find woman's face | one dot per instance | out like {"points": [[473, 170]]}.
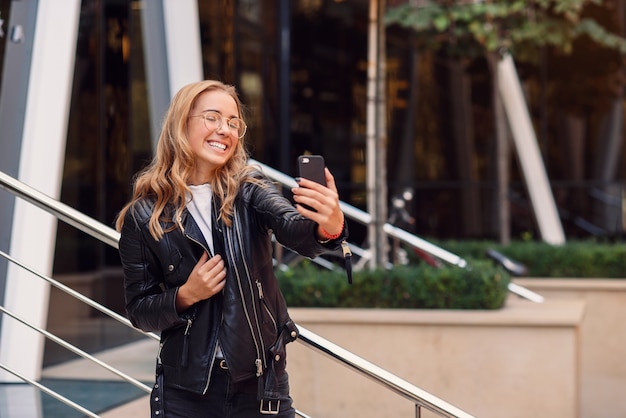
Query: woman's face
{"points": [[212, 143]]}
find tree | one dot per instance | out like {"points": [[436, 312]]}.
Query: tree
{"points": [[519, 26], [463, 31]]}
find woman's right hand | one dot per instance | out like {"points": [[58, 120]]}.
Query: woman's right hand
{"points": [[207, 278]]}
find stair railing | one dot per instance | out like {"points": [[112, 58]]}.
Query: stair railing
{"points": [[393, 231], [103, 233]]}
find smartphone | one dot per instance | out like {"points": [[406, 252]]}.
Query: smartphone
{"points": [[312, 167]]}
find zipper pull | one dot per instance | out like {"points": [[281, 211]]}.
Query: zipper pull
{"points": [[189, 322], [259, 367], [159, 353], [347, 255], [345, 248], [260, 286]]}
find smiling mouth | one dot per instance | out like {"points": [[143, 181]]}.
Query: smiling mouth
{"points": [[217, 145]]}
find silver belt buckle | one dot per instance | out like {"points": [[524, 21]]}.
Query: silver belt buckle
{"points": [[269, 410]]}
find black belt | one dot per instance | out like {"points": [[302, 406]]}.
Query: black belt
{"points": [[266, 407]]}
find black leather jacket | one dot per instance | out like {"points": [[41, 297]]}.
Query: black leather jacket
{"points": [[249, 316]]}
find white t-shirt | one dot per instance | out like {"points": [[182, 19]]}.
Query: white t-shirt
{"points": [[200, 208]]}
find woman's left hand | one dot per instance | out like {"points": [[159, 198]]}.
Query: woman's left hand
{"points": [[325, 202]]}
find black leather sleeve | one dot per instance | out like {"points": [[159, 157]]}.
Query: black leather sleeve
{"points": [[149, 304], [291, 229]]}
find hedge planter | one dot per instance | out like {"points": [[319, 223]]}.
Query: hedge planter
{"points": [[483, 286]]}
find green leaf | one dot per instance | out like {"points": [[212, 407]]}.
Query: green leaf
{"points": [[441, 23], [521, 26]]}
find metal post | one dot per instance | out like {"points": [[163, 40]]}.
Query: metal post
{"points": [[284, 119], [502, 204], [376, 136]]}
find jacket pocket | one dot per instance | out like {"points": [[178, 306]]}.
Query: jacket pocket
{"points": [[267, 313], [175, 349]]}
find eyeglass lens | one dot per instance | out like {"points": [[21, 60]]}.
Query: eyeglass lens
{"points": [[213, 120]]}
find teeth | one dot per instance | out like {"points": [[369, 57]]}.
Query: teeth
{"points": [[217, 145]]}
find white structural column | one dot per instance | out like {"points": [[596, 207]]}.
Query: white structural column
{"points": [[537, 184], [41, 166], [182, 36], [173, 54]]}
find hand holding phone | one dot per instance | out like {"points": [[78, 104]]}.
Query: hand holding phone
{"points": [[323, 195]]}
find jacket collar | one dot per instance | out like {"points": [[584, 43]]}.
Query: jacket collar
{"points": [[192, 230]]}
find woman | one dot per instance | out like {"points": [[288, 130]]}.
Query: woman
{"points": [[197, 256]]}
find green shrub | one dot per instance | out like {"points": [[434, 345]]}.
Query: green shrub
{"points": [[575, 259], [419, 286], [308, 285], [483, 286]]}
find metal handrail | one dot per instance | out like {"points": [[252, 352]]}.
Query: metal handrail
{"points": [[60, 210], [387, 379], [77, 350], [398, 233], [50, 392], [365, 218], [110, 313], [111, 237]]}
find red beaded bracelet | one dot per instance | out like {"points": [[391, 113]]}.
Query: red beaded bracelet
{"points": [[330, 237]]}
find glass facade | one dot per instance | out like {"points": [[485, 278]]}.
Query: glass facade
{"points": [[300, 66], [4, 18], [322, 68]]}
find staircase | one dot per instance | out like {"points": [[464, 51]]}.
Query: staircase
{"points": [[137, 381]]}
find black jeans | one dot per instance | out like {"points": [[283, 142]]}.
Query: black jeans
{"points": [[224, 399]]}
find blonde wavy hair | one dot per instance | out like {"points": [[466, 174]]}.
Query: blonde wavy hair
{"points": [[166, 177]]}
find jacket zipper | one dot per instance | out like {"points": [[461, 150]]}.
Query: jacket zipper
{"points": [[185, 358], [189, 323], [208, 380], [200, 244], [266, 308], [257, 337]]}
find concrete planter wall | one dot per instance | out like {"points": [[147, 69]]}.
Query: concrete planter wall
{"points": [[560, 359], [603, 340], [521, 361]]}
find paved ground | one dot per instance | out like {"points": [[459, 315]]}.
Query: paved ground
{"points": [[136, 409], [135, 360]]}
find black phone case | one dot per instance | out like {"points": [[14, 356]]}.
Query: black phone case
{"points": [[312, 167]]}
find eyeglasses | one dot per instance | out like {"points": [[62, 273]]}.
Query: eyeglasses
{"points": [[213, 121]]}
